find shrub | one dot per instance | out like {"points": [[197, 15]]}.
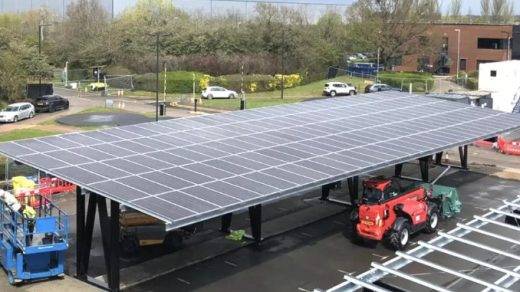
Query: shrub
{"points": [[403, 79], [289, 81], [176, 82], [251, 83]]}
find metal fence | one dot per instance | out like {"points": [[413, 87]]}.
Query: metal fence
{"points": [[209, 8], [58, 7]]}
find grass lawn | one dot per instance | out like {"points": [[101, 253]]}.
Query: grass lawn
{"points": [[25, 134], [291, 95], [258, 99]]}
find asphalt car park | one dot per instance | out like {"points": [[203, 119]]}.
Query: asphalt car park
{"points": [[292, 257], [318, 254]]}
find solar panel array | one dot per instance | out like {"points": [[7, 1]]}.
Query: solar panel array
{"points": [[190, 169]]}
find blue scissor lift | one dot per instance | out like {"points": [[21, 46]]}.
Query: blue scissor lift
{"points": [[35, 255]]}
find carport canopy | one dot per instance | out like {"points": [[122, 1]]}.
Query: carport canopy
{"points": [[187, 170]]}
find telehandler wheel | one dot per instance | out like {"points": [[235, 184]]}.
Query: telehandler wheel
{"points": [[399, 236], [433, 220], [354, 220]]}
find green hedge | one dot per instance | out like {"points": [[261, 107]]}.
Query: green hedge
{"points": [[403, 79], [176, 82], [182, 82], [251, 83]]}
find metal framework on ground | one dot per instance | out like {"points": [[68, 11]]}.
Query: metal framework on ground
{"points": [[442, 245]]}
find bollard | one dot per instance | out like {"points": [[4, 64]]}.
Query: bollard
{"points": [[242, 104], [195, 102]]}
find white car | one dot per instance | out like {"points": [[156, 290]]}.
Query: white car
{"points": [[218, 92], [17, 111], [339, 88]]}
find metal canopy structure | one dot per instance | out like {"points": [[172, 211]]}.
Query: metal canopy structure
{"points": [[188, 170], [445, 244]]}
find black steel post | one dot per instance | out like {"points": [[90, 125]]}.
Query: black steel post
{"points": [[80, 230], [424, 166], [353, 188], [325, 192], [255, 217], [463, 153], [104, 223], [89, 229], [195, 102], [283, 62], [242, 104], [157, 78], [398, 170], [40, 26], [226, 222], [438, 158], [113, 279]]}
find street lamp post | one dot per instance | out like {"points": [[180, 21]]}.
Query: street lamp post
{"points": [[508, 57], [458, 52], [40, 36], [157, 78]]}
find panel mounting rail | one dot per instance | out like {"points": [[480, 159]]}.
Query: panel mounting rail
{"points": [[441, 246]]}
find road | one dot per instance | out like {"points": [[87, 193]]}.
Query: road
{"points": [[87, 101]]}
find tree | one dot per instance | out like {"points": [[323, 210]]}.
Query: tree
{"points": [[455, 10], [396, 28], [485, 10], [501, 11], [19, 58], [83, 38]]}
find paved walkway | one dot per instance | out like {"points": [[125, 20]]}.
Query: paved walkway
{"points": [[66, 284], [444, 84]]}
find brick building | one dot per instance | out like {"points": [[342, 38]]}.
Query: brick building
{"points": [[479, 43]]}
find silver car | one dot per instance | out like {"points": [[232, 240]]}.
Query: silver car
{"points": [[17, 111]]}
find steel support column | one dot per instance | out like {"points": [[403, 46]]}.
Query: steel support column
{"points": [[353, 188], [325, 192], [424, 164], [80, 231], [255, 217], [438, 158], [398, 170], [226, 222], [113, 275], [88, 231], [463, 153]]}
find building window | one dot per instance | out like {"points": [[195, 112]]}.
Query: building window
{"points": [[492, 44], [463, 64], [445, 46], [493, 73]]}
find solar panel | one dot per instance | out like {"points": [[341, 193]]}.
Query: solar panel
{"points": [[191, 169]]}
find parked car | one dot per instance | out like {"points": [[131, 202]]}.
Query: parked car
{"points": [[339, 88], [218, 92], [51, 103], [17, 111], [378, 87]]}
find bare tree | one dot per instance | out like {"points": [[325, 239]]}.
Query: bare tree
{"points": [[395, 28], [455, 10], [501, 11], [485, 10]]}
